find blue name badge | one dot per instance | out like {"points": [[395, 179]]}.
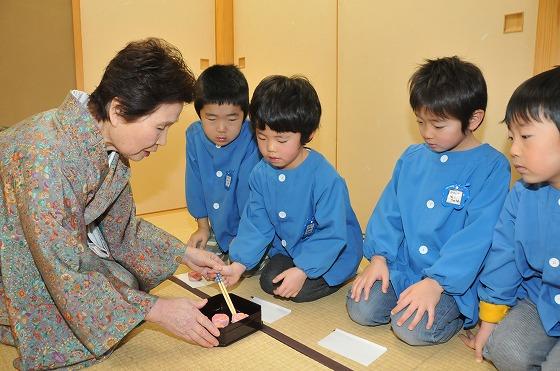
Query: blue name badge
{"points": [[227, 180], [309, 228], [456, 196]]}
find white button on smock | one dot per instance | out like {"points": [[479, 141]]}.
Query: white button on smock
{"points": [[219, 174], [218, 146], [559, 202], [554, 262], [423, 249], [430, 204], [281, 177], [557, 299], [216, 205], [444, 158], [282, 214], [284, 243]]}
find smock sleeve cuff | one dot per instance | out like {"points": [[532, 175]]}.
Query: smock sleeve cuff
{"points": [[492, 313]]}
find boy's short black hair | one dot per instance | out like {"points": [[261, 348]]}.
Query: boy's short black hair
{"points": [[142, 76], [222, 84], [449, 88], [286, 104], [535, 99]]}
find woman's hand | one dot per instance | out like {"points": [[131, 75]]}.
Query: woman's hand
{"points": [[202, 261], [182, 318], [375, 271], [232, 273], [478, 341], [200, 237], [292, 282], [421, 297]]}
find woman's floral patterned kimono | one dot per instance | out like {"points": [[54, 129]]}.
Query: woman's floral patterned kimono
{"points": [[62, 305]]}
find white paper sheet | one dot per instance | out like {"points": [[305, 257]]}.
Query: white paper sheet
{"points": [[194, 284], [351, 346], [270, 312]]}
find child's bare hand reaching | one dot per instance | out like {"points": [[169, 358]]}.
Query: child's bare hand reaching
{"points": [[478, 341], [292, 282], [232, 273], [377, 270], [421, 297]]}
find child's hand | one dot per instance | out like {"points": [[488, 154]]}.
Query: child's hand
{"points": [[199, 238], [376, 270], [292, 282], [478, 341], [231, 273], [421, 297]]}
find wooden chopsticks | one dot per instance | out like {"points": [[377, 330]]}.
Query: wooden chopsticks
{"points": [[223, 289]]}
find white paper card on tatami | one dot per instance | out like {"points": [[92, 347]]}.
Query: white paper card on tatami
{"points": [[194, 284], [351, 346], [270, 312]]}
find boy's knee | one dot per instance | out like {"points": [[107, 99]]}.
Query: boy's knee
{"points": [[422, 336], [365, 313], [412, 337], [265, 280], [506, 355]]}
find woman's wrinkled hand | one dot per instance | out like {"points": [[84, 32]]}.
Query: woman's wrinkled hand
{"points": [[182, 317], [202, 261]]}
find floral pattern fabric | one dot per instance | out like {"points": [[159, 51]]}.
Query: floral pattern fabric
{"points": [[60, 304]]}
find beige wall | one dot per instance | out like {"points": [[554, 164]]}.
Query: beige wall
{"points": [[37, 57], [292, 37], [381, 44], [107, 25]]}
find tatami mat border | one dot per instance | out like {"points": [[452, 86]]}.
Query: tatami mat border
{"points": [[281, 337]]}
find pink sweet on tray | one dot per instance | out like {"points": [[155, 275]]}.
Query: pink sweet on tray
{"points": [[238, 317], [220, 320]]}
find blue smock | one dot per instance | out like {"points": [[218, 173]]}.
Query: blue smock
{"points": [[304, 213], [436, 217], [524, 260], [217, 179]]}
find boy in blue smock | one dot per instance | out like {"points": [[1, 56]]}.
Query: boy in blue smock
{"points": [[298, 205], [432, 227], [221, 152], [520, 282]]}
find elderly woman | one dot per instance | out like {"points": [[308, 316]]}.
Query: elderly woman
{"points": [[76, 264]]}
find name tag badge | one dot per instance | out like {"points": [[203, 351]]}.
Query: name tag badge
{"points": [[227, 180], [309, 228], [455, 195]]}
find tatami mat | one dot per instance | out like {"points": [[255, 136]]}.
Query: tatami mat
{"points": [[150, 348]]}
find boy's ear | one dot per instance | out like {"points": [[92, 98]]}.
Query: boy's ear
{"points": [[311, 137], [476, 119]]}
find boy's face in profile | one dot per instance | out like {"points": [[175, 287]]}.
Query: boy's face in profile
{"points": [[221, 122], [443, 134], [283, 150], [535, 151]]}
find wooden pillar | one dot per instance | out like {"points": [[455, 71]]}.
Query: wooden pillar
{"points": [[78, 51], [547, 45], [224, 31]]}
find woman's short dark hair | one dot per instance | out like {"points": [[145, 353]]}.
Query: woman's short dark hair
{"points": [[286, 104], [222, 84], [535, 99], [449, 88], [142, 76]]}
